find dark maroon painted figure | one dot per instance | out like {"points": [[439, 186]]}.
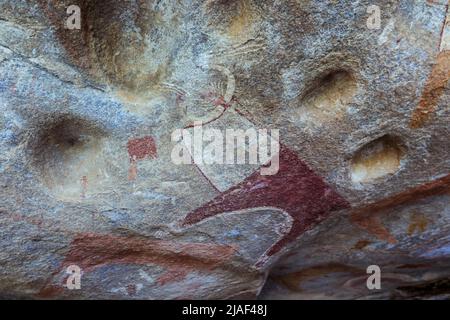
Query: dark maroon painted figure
{"points": [[295, 189], [141, 148]]}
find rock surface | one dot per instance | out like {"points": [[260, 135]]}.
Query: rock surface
{"points": [[87, 177]]}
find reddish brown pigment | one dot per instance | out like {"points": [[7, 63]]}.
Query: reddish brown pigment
{"points": [[132, 170], [76, 44], [367, 217], [294, 280], [434, 88], [141, 148], [295, 189], [216, 101], [373, 225], [50, 291], [440, 186], [91, 251]]}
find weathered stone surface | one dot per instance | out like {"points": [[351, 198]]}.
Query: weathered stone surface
{"points": [[87, 177]]}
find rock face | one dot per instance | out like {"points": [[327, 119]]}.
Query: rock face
{"points": [[89, 189]]}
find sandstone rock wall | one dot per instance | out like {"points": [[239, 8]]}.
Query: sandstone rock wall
{"points": [[87, 176]]}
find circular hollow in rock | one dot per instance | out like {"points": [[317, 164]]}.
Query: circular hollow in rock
{"points": [[376, 159], [69, 156], [126, 44], [329, 96]]}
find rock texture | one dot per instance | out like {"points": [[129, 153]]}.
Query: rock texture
{"points": [[87, 179]]}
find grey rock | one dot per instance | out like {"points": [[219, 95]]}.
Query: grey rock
{"points": [[87, 178]]}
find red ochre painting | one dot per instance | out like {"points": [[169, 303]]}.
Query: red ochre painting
{"points": [[295, 189]]}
